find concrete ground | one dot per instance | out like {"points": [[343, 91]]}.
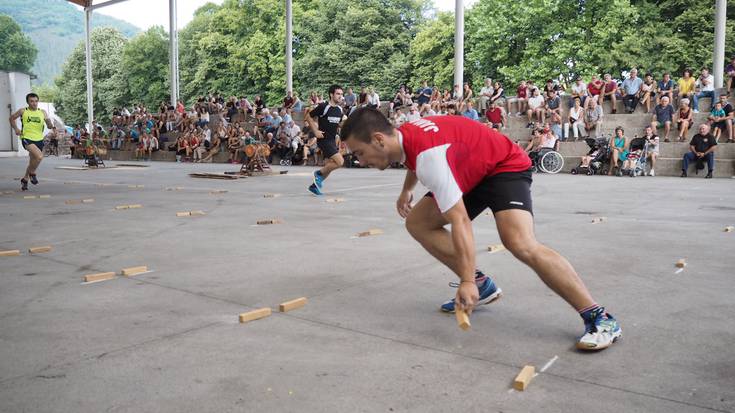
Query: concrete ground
{"points": [[371, 338]]}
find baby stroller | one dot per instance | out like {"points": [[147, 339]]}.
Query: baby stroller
{"points": [[599, 152], [637, 157]]}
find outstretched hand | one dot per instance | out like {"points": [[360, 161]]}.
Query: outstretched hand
{"points": [[403, 204], [467, 296]]}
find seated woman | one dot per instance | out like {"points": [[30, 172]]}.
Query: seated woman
{"points": [[234, 143], [618, 148], [213, 148], [648, 91], [182, 147], [684, 119], [541, 139]]}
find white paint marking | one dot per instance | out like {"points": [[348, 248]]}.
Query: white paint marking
{"points": [[679, 270]]}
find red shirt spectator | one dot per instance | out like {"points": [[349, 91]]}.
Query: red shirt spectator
{"points": [[494, 116]]}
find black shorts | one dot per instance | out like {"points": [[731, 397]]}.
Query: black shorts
{"points": [[328, 146], [509, 190], [26, 142]]}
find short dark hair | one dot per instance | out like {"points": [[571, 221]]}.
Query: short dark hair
{"points": [[334, 88], [31, 95], [363, 123]]}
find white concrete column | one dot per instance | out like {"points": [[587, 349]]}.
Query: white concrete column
{"points": [[718, 60], [289, 45], [459, 45], [173, 60], [88, 56]]}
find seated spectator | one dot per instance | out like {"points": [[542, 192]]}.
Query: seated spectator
{"points": [[373, 98], [553, 104], [142, 146], [498, 95], [576, 120], [426, 110], [595, 88], [401, 99], [665, 87], [423, 95], [701, 149], [619, 149], [485, 94], [579, 90], [610, 92], [653, 141], [182, 148], [520, 99], [350, 100], [550, 87], [632, 90], [729, 116], [718, 120], [310, 146], [593, 119], [467, 96], [555, 124], [469, 112], [536, 106], [451, 109], [201, 148], [542, 139], [648, 91], [214, 148], [730, 74], [663, 117], [686, 85], [495, 116], [436, 99], [259, 104], [706, 88], [245, 106], [398, 118], [413, 114], [298, 105], [684, 120], [288, 101]]}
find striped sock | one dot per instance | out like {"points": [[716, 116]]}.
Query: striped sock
{"points": [[589, 313]]}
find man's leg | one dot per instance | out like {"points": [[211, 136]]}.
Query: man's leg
{"points": [[695, 101], [688, 157], [335, 162], [710, 157], [667, 129], [426, 224], [34, 159]]}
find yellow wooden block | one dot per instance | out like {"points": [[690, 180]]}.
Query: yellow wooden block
{"points": [[729, 228], [134, 270], [44, 196], [269, 221], [255, 314], [9, 253], [99, 276], [370, 232], [463, 319], [218, 191], [119, 207], [135, 206], [335, 200], [496, 248], [72, 202], [196, 213], [681, 263], [87, 201], [136, 186], [524, 378], [29, 197], [39, 250], [183, 214], [292, 305]]}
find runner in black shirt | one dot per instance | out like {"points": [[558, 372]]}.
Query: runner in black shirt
{"points": [[324, 120]]}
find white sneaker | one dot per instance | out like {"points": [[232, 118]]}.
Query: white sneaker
{"points": [[518, 113], [696, 110], [651, 173]]}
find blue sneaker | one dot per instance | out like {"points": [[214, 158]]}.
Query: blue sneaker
{"points": [[488, 293], [318, 180], [601, 332], [314, 190]]}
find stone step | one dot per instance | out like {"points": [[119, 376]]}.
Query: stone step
{"points": [[724, 168]]}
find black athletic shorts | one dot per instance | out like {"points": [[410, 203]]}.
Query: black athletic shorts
{"points": [[509, 190], [328, 146], [26, 142]]}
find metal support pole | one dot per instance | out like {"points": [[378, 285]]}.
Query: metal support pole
{"points": [[289, 45], [719, 46], [459, 45], [88, 55], [173, 51]]}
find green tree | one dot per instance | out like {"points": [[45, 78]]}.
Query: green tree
{"points": [[432, 52], [110, 83], [46, 92], [17, 52], [145, 62]]}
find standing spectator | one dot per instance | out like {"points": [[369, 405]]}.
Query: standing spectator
{"points": [[259, 104], [686, 85], [349, 100], [730, 73], [288, 101], [665, 88], [701, 149], [579, 90], [424, 94], [632, 89], [648, 92], [520, 99], [706, 85], [469, 112], [485, 94], [593, 119], [576, 119], [595, 88], [536, 107], [685, 120], [610, 92], [653, 141], [718, 120], [663, 117], [495, 116]]}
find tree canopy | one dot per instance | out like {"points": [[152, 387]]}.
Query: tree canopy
{"points": [[17, 52]]}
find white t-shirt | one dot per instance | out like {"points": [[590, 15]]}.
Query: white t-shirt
{"points": [[412, 116], [374, 99], [535, 102], [487, 90], [709, 87], [579, 89]]}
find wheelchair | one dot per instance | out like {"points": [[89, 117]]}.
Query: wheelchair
{"points": [[547, 160]]}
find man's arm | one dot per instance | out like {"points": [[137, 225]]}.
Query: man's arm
{"points": [[313, 125], [12, 119], [403, 205]]}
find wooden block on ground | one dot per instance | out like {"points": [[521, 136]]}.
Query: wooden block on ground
{"points": [[255, 314], [597, 220], [39, 250], [122, 207], [99, 276], [729, 228], [335, 200], [136, 186], [87, 201], [269, 221], [219, 191], [496, 248], [174, 188], [134, 270], [292, 305], [271, 195], [9, 253], [183, 214], [44, 196], [135, 206], [29, 197], [524, 378], [196, 213], [367, 233], [72, 202], [681, 263], [463, 320]]}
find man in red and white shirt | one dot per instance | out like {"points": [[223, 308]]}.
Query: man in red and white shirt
{"points": [[468, 168]]}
